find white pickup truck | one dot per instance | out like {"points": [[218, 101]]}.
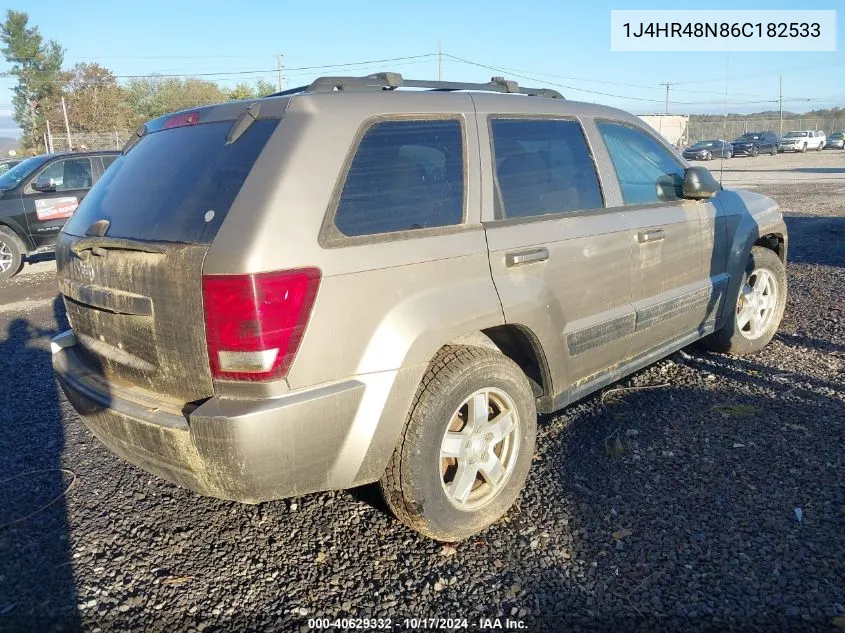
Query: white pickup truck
{"points": [[801, 141]]}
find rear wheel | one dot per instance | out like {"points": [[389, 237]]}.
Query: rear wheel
{"points": [[467, 446], [11, 254], [774, 151], [757, 309], [820, 147]]}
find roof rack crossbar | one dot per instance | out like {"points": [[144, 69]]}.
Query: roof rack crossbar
{"points": [[392, 81]]}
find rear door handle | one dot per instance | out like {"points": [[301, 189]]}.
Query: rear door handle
{"points": [[519, 258], [652, 235]]}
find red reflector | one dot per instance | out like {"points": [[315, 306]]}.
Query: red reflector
{"points": [[254, 323], [181, 120]]}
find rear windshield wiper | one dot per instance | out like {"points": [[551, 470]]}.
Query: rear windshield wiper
{"points": [[243, 122]]}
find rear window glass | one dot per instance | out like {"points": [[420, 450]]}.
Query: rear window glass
{"points": [[175, 185], [405, 175]]}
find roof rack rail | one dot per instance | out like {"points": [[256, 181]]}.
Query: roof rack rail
{"points": [[392, 81]]}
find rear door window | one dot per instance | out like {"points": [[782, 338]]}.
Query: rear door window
{"points": [[175, 185], [647, 171], [543, 166], [405, 175]]}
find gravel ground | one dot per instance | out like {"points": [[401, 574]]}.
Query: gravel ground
{"points": [[713, 500]]}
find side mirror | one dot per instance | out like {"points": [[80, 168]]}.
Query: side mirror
{"points": [[699, 183], [44, 185]]}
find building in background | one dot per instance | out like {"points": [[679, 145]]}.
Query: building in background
{"points": [[673, 127]]}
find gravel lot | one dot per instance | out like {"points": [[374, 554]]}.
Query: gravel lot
{"points": [[721, 507]]}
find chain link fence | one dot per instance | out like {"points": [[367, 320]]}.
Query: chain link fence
{"points": [[732, 128], [84, 141]]}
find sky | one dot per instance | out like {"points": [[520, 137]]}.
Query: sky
{"points": [[556, 43]]}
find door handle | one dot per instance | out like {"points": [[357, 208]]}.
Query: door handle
{"points": [[652, 235], [520, 258]]}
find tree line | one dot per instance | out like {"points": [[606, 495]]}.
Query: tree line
{"points": [[94, 99]]}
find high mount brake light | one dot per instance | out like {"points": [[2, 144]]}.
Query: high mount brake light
{"points": [[254, 323], [181, 120]]}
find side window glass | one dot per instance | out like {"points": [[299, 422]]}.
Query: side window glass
{"points": [[65, 175], [646, 170], [405, 175], [543, 166], [108, 159]]}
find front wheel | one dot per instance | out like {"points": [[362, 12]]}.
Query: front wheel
{"points": [[755, 152], [757, 309], [708, 156], [467, 446], [803, 148], [11, 254]]}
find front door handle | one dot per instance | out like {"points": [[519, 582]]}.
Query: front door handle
{"points": [[652, 235], [519, 258]]}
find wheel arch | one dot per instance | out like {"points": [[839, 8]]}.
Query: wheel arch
{"points": [[19, 233]]}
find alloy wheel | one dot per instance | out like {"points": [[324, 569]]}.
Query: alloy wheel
{"points": [[757, 304], [479, 449]]}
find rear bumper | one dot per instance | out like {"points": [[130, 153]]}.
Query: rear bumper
{"points": [[244, 450]]}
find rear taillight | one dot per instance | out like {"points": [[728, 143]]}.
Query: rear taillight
{"points": [[254, 323]]}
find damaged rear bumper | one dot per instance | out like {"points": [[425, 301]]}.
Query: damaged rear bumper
{"points": [[244, 450]]}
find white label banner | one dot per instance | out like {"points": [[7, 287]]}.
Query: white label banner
{"points": [[722, 31]]}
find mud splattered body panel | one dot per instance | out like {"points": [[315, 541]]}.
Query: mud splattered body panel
{"points": [[137, 312]]}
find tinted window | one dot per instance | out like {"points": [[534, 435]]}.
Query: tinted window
{"points": [[108, 159], [164, 187], [67, 175], [543, 166], [646, 170], [405, 175]]}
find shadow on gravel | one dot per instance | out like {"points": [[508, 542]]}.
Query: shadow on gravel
{"points": [[816, 240], [720, 510], [41, 257], [36, 575]]}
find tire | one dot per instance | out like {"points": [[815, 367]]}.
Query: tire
{"points": [[11, 254], [728, 156], [755, 152], [708, 156], [820, 147], [737, 338], [803, 148], [415, 483], [774, 151]]}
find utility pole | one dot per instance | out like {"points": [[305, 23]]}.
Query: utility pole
{"points": [[780, 101], [439, 61], [279, 68], [49, 136], [667, 84], [67, 125]]}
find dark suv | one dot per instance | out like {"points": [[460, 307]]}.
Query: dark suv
{"points": [[755, 143], [37, 196]]}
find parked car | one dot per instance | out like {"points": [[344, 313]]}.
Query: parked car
{"points": [[37, 196], [7, 164], [835, 141], [254, 328], [755, 143], [801, 141], [707, 150]]}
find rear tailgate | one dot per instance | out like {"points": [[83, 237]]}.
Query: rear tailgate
{"points": [[130, 260]]}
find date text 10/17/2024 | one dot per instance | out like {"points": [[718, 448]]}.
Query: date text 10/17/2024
{"points": [[418, 624]]}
